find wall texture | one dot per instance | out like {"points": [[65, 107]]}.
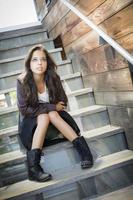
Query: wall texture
{"points": [[102, 68]]}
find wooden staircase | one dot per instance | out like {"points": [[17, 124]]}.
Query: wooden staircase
{"points": [[113, 164]]}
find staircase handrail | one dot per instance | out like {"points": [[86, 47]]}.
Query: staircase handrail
{"points": [[100, 32]]}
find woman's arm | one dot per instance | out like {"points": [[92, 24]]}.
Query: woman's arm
{"points": [[28, 110]]}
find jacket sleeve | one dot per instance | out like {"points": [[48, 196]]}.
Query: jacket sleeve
{"points": [[28, 110]]}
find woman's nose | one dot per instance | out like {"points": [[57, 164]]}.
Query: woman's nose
{"points": [[39, 61]]}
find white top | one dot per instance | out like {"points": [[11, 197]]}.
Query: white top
{"points": [[43, 97]]}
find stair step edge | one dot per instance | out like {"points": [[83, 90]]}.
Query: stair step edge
{"points": [[22, 57], [7, 90], [26, 45], [9, 131], [89, 135], [80, 91], [73, 93], [68, 76], [18, 33], [100, 130], [103, 164], [88, 110], [78, 112]]}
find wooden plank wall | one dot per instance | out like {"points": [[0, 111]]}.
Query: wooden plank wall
{"points": [[102, 68]]}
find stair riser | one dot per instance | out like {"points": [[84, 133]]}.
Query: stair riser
{"points": [[65, 159], [92, 121], [7, 120], [111, 180], [15, 173], [23, 50], [62, 70], [64, 193], [11, 66], [22, 41], [8, 144], [73, 84], [10, 81], [56, 56], [81, 101], [19, 65]]}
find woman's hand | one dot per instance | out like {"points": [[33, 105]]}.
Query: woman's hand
{"points": [[60, 106]]}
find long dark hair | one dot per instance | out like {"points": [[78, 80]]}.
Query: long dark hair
{"points": [[51, 78]]}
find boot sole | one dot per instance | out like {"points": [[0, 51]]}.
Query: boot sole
{"points": [[43, 180], [87, 166]]}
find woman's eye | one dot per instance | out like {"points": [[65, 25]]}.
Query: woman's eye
{"points": [[44, 59], [34, 60], [37, 59]]}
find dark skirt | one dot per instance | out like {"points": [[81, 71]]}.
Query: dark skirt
{"points": [[27, 126]]}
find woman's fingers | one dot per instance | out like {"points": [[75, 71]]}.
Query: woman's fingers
{"points": [[60, 106], [61, 102]]}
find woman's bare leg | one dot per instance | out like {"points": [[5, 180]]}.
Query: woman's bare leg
{"points": [[62, 126], [40, 132]]}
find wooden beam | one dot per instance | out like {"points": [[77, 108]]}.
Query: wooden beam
{"points": [[56, 14], [127, 42], [120, 24], [101, 59], [103, 12], [84, 44], [117, 80], [70, 20], [114, 98]]}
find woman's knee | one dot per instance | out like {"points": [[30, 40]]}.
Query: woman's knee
{"points": [[53, 115], [43, 119]]}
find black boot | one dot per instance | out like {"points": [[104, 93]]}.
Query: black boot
{"points": [[35, 172], [82, 147]]}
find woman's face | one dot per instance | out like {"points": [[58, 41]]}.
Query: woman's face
{"points": [[38, 63]]}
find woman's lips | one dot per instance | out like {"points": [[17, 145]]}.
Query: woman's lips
{"points": [[39, 68]]}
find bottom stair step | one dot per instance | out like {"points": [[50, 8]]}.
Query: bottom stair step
{"points": [[122, 194], [103, 164]]}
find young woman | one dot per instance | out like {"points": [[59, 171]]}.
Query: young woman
{"points": [[41, 101]]}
